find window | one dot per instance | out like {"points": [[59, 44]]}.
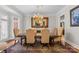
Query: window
{"points": [[4, 28]]}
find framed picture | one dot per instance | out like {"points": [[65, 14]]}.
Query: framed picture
{"points": [[39, 22], [62, 17], [74, 16]]}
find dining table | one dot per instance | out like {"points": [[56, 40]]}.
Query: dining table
{"points": [[23, 37], [38, 37]]}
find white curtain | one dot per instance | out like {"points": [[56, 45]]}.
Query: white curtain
{"points": [[15, 23], [4, 29]]}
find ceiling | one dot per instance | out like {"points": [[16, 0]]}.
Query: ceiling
{"points": [[41, 9]]}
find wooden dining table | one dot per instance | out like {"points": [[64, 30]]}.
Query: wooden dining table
{"points": [[22, 36], [38, 37]]}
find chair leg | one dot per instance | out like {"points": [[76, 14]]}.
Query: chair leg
{"points": [[21, 41], [53, 42], [29, 44], [45, 44], [32, 45], [60, 41]]}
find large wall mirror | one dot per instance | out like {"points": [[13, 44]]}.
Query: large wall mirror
{"points": [[39, 22]]}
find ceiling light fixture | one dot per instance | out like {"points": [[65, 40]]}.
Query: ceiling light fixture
{"points": [[37, 11]]}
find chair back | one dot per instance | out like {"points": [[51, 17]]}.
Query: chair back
{"points": [[60, 31], [16, 32], [45, 36], [30, 35], [53, 32]]}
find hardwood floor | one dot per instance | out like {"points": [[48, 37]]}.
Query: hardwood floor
{"points": [[57, 48]]}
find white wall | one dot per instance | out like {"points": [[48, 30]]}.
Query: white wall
{"points": [[71, 33], [51, 21], [5, 11]]}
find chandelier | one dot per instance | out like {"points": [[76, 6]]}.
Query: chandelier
{"points": [[37, 10]]}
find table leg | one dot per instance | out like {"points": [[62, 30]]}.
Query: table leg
{"points": [[21, 40], [53, 42], [25, 41]]}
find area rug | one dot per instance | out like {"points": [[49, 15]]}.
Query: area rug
{"points": [[57, 48]]}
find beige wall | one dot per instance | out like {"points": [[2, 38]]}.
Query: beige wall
{"points": [[71, 33]]}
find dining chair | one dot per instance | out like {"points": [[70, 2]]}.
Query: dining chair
{"points": [[53, 34], [30, 36], [16, 32], [45, 37], [59, 34]]}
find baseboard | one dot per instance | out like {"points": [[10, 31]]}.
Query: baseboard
{"points": [[72, 44]]}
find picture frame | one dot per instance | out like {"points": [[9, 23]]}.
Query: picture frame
{"points": [[74, 16], [39, 22], [62, 17]]}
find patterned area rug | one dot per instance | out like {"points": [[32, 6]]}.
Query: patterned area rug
{"points": [[57, 48]]}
